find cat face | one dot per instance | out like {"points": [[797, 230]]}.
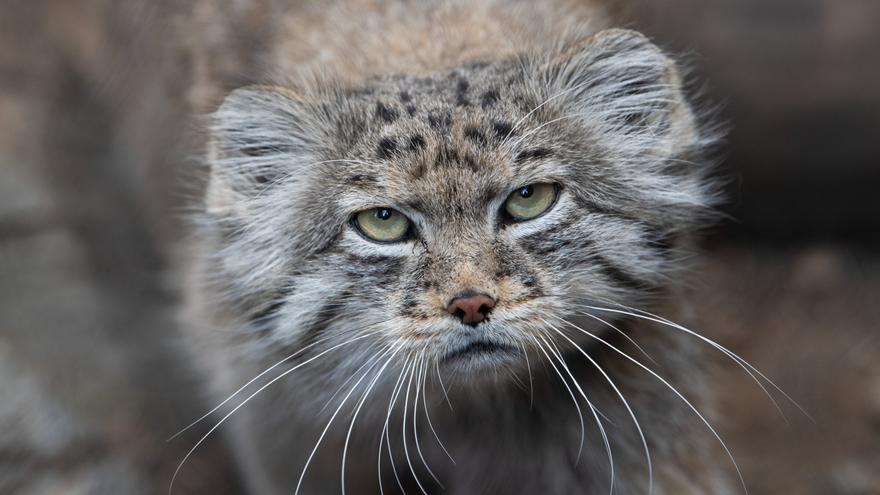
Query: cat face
{"points": [[459, 216]]}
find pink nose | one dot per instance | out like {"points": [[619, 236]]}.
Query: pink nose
{"points": [[471, 308]]}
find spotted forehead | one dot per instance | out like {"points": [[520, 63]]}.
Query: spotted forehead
{"points": [[452, 131]]}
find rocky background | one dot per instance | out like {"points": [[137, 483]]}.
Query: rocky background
{"points": [[92, 94]]}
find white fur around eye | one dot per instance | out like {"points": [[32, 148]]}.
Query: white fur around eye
{"points": [[356, 244], [556, 214]]}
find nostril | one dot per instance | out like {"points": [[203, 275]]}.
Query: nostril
{"points": [[459, 313], [471, 308]]}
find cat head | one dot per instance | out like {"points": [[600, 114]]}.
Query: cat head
{"points": [[459, 216]]}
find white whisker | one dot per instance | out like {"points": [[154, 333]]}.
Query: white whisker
{"points": [[626, 336], [531, 382], [329, 423], [675, 391], [593, 409], [384, 436], [248, 399], [419, 384], [741, 362], [240, 389], [431, 425], [403, 428], [442, 387], [571, 393], [357, 411]]}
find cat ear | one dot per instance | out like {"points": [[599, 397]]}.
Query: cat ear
{"points": [[619, 80], [257, 135]]}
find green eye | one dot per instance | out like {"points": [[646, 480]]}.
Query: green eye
{"points": [[382, 224], [530, 201]]}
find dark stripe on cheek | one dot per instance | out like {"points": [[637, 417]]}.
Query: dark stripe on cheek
{"points": [[593, 207], [265, 315], [656, 238], [555, 238], [618, 276], [659, 240], [548, 245], [258, 151], [324, 317], [373, 266]]}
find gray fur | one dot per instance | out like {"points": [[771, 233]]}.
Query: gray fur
{"points": [[279, 272]]}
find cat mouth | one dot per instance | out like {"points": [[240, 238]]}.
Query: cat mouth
{"points": [[478, 348]]}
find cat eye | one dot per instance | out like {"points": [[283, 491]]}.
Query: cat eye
{"points": [[530, 201], [382, 224]]}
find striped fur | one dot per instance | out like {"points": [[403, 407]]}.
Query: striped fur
{"points": [[279, 269]]}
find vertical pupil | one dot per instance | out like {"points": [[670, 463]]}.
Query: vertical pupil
{"points": [[526, 192], [383, 213]]}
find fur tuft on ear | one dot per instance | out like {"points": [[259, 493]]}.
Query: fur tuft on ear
{"points": [[259, 134], [622, 81], [628, 96]]}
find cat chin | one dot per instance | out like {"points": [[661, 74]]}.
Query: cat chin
{"points": [[475, 358]]}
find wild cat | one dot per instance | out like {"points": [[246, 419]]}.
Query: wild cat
{"points": [[440, 250]]}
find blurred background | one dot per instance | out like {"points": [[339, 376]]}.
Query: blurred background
{"points": [[93, 101]]}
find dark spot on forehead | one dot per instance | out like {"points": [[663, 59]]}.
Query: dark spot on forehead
{"points": [[489, 98], [387, 147], [470, 162], [418, 170], [439, 120], [447, 155], [461, 90], [385, 113], [405, 96], [411, 109], [475, 135], [416, 142], [502, 129], [532, 154]]}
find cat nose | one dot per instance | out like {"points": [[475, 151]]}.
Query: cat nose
{"points": [[470, 307]]}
